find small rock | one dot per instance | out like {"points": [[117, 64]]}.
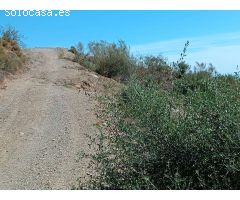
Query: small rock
{"points": [[21, 133], [3, 87], [78, 86], [94, 75]]}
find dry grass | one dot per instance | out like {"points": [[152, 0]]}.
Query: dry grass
{"points": [[11, 56]]}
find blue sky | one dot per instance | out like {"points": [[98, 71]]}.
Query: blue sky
{"points": [[214, 35]]}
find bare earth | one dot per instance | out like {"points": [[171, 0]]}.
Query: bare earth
{"points": [[43, 125]]}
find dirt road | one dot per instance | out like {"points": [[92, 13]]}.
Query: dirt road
{"points": [[42, 125]]}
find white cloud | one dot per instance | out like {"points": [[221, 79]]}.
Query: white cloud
{"points": [[222, 50]]}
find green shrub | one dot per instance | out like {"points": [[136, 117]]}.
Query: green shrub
{"points": [[11, 56], [168, 140], [170, 128], [154, 69], [111, 59], [196, 80], [11, 35]]}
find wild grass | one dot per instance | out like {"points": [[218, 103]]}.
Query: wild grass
{"points": [[11, 56], [112, 60]]}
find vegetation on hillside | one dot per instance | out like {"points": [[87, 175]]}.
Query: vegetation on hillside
{"points": [[171, 127], [112, 60], [11, 56]]}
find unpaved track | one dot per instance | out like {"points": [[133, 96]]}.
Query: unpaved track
{"points": [[42, 126]]}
